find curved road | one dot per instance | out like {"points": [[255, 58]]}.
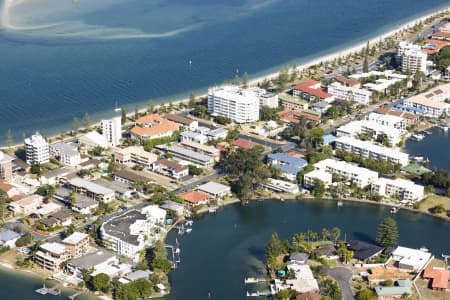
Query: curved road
{"points": [[343, 277]]}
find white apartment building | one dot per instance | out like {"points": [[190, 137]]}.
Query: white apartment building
{"points": [[266, 98], [387, 120], [411, 57], [67, 154], [362, 177], [112, 130], [310, 179], [401, 188], [135, 155], [37, 150], [372, 129], [241, 106], [5, 166], [369, 150], [92, 139], [129, 233], [431, 103], [349, 93]]}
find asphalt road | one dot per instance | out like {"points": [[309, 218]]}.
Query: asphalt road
{"points": [[343, 277]]}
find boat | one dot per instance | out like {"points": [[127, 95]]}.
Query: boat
{"points": [[188, 230], [418, 136], [340, 203], [424, 249], [418, 158], [189, 223], [394, 210]]}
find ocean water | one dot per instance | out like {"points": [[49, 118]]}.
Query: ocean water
{"points": [[62, 58]]}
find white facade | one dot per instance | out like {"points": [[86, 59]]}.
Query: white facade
{"points": [[431, 103], [309, 179], [112, 130], [281, 186], [349, 94], [266, 98], [387, 120], [369, 150], [135, 155], [37, 150], [372, 129], [357, 175], [241, 106], [66, 154], [92, 139], [401, 188], [411, 58]]}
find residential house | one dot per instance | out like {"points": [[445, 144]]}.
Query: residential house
{"points": [[399, 290], [83, 204], [10, 190], [298, 258], [187, 123], [8, 238], [195, 198], [26, 206], [411, 259], [216, 190], [170, 168], [281, 186], [191, 136], [363, 251], [439, 277], [288, 165], [216, 134], [202, 149], [130, 177], [135, 155]]}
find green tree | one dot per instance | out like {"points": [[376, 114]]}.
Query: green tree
{"points": [[192, 101], [46, 191], [157, 257], [36, 169], [274, 247], [245, 80], [75, 125], [136, 113], [100, 282], [438, 209], [233, 134], [319, 189], [283, 295], [387, 234], [366, 294], [86, 121], [150, 107], [236, 79], [124, 115]]}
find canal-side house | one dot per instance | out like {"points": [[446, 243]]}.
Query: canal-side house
{"points": [[8, 238], [95, 261], [214, 189]]}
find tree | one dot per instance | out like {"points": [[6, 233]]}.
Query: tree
{"points": [[274, 247], [136, 113], [366, 64], [192, 101], [75, 125], [438, 209], [46, 191], [335, 233], [150, 106], [245, 80], [124, 115], [283, 295], [319, 189], [194, 170], [366, 294], [86, 121], [72, 199], [236, 79], [100, 282], [36, 169], [157, 257], [387, 234]]}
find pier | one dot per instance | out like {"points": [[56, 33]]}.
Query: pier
{"points": [[50, 291], [72, 297], [175, 254], [250, 280], [258, 294]]}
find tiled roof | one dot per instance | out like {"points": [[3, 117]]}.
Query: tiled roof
{"points": [[440, 277], [306, 88], [178, 119], [154, 125], [171, 164], [194, 197], [242, 143]]}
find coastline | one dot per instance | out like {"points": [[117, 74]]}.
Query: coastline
{"points": [[344, 51]]}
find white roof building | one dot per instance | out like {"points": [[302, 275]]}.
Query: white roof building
{"points": [[387, 120], [349, 93], [369, 150], [309, 179], [372, 129], [281, 186], [36, 150], [411, 259], [304, 279], [214, 189], [67, 154], [92, 139], [240, 105], [48, 208], [431, 103], [357, 175], [91, 189], [404, 189], [265, 98]]}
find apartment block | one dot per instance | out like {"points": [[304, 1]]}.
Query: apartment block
{"points": [[135, 155], [112, 130], [5, 166], [401, 188], [36, 150]]}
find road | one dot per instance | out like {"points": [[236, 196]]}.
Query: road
{"points": [[343, 277]]}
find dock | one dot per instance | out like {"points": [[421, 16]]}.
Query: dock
{"points": [[258, 294], [72, 297], [250, 280], [50, 291]]}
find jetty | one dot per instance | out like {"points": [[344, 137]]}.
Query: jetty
{"points": [[258, 293], [72, 297], [250, 280], [55, 291]]}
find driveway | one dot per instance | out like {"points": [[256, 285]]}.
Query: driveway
{"points": [[343, 277]]}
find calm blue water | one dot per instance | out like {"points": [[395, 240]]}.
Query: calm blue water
{"points": [[61, 58]]}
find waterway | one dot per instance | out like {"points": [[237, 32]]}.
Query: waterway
{"points": [[435, 146], [62, 58], [224, 248]]}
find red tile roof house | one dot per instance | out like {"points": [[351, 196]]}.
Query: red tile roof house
{"points": [[438, 276], [153, 126], [312, 90], [243, 143], [290, 116], [195, 198]]}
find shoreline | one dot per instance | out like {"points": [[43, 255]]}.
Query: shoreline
{"points": [[344, 51]]}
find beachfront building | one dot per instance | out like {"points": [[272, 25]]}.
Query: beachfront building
{"points": [[92, 139], [411, 57], [134, 155], [91, 189], [193, 157], [293, 103], [240, 105], [361, 177], [383, 80], [371, 130], [26, 206], [152, 127], [265, 98], [36, 150], [170, 168], [112, 130], [350, 94], [387, 120], [50, 256], [129, 233], [403, 189], [287, 164], [368, 150], [311, 90], [431, 103], [67, 154], [5, 166], [187, 123], [195, 198], [311, 178], [281, 186]]}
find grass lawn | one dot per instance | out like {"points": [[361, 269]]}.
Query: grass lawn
{"points": [[432, 201]]}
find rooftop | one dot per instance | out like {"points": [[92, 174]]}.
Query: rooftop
{"points": [[403, 287], [154, 124], [178, 119], [213, 188], [171, 164], [439, 276], [242, 143], [363, 250], [8, 235], [235, 93], [287, 163], [309, 88], [194, 197], [131, 176], [412, 257], [90, 186], [183, 152], [55, 248], [65, 148], [92, 259], [75, 238], [119, 226]]}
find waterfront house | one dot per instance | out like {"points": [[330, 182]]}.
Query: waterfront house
{"points": [[311, 178], [298, 258], [152, 127], [195, 198], [214, 189], [363, 251], [136, 275], [281, 186], [95, 261], [8, 238], [288, 165], [174, 207], [439, 278], [411, 259], [51, 255], [400, 288]]}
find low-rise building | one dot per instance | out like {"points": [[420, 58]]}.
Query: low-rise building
{"points": [[92, 261], [351, 94], [67, 154], [187, 123], [83, 204], [135, 155], [348, 82], [26, 206], [311, 90], [203, 149], [288, 165], [5, 166], [281, 186], [410, 119], [8, 238], [50, 256], [400, 289], [191, 136], [404, 189], [91, 140], [170, 168], [91, 189], [411, 259], [214, 189], [371, 130], [129, 177], [265, 98], [293, 103], [310, 179], [439, 277], [10, 190], [361, 177], [216, 134], [153, 126], [123, 190], [195, 198], [387, 120], [77, 244], [303, 282], [363, 251], [368, 150], [193, 157], [47, 209]]}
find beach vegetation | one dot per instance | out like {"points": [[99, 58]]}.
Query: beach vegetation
{"points": [[200, 111], [75, 125], [438, 209], [387, 234], [86, 121], [123, 115]]}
